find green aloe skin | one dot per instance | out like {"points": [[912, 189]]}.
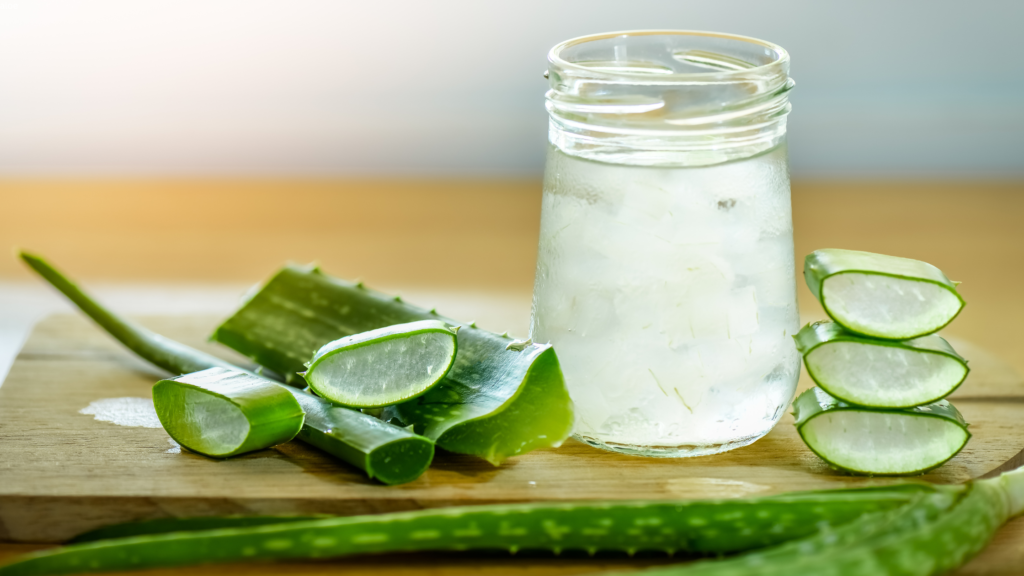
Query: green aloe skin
{"points": [[221, 412], [880, 373], [862, 440], [692, 527], [356, 438], [497, 400], [881, 296]]}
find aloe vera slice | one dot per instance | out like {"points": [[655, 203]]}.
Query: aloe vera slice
{"points": [[863, 440], [881, 296], [351, 436], [880, 373], [498, 400], [220, 412], [384, 366], [702, 527]]}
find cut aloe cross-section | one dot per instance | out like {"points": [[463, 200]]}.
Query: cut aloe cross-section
{"points": [[220, 412], [880, 373], [863, 440], [881, 296], [384, 366]]}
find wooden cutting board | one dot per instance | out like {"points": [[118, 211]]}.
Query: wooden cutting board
{"points": [[63, 472]]}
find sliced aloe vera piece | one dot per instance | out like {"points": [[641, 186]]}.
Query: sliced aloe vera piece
{"points": [[220, 412], [500, 398], [863, 440], [880, 373], [384, 366], [326, 426], [881, 296]]}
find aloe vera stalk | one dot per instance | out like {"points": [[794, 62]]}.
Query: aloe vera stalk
{"points": [[881, 296], [880, 373], [496, 401], [864, 440], [701, 527], [383, 366], [356, 438], [162, 352], [220, 412], [387, 453]]}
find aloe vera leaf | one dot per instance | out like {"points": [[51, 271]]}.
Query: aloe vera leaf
{"points": [[494, 403], [220, 412], [702, 527], [880, 373], [862, 440], [881, 296], [165, 525], [356, 438], [384, 366]]}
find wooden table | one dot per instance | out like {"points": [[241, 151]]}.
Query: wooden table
{"points": [[480, 236]]}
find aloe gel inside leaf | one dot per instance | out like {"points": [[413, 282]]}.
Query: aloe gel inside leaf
{"points": [[887, 306], [202, 422], [884, 376], [383, 370], [878, 442]]}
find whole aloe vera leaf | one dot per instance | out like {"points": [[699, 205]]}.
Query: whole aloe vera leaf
{"points": [[880, 373], [384, 366], [863, 440], [220, 412], [497, 401], [701, 527], [356, 438], [881, 296]]}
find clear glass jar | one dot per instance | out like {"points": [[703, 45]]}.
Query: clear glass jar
{"points": [[665, 274]]}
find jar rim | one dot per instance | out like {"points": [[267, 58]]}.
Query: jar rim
{"points": [[781, 56]]}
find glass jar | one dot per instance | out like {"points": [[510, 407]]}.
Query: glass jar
{"points": [[665, 274]]}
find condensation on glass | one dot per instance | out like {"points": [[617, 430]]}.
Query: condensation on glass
{"points": [[665, 274]]}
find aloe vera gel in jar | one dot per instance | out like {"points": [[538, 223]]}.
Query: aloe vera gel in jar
{"points": [[665, 274]]}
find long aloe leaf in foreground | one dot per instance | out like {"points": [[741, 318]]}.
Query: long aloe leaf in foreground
{"points": [[500, 398], [698, 527], [356, 438]]}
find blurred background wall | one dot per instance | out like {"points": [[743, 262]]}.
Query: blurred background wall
{"points": [[454, 88]]}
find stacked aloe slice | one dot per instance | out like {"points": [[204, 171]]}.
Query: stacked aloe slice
{"points": [[881, 371]]}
